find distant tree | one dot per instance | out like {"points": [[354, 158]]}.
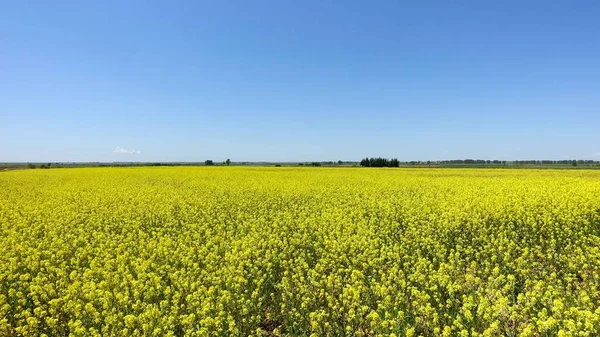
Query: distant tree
{"points": [[574, 163], [209, 163], [339, 162], [300, 164], [30, 165], [277, 165], [228, 161], [380, 162]]}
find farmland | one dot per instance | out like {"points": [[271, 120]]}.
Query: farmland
{"points": [[213, 251]]}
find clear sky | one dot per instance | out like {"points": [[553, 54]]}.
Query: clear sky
{"points": [[299, 80]]}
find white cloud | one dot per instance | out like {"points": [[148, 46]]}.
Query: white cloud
{"points": [[121, 150], [597, 154]]}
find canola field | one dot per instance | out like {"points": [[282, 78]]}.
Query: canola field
{"points": [[230, 251]]}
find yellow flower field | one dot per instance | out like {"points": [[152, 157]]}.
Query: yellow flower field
{"points": [[231, 251]]}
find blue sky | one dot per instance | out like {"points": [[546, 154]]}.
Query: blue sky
{"points": [[299, 80]]}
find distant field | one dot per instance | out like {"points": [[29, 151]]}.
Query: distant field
{"points": [[214, 251]]}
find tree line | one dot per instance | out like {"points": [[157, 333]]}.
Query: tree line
{"points": [[473, 161], [553, 162], [379, 162]]}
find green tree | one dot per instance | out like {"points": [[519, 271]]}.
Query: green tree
{"points": [[228, 161]]}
